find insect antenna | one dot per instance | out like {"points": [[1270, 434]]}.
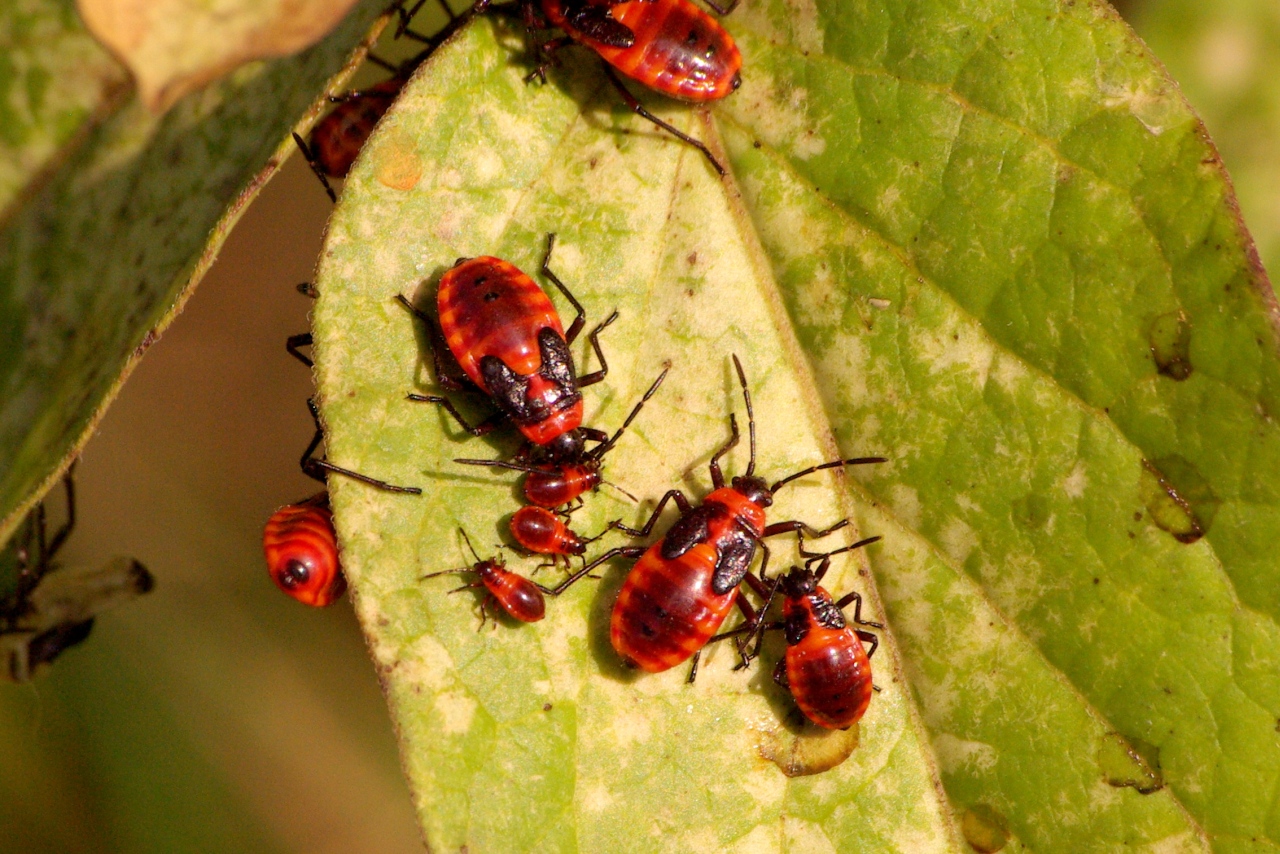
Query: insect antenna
{"points": [[469, 546], [503, 464], [825, 557], [751, 418], [856, 461], [604, 447], [620, 489]]}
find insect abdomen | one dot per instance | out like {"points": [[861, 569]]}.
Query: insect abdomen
{"points": [[666, 610]]}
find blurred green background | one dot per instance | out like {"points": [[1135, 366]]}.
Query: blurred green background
{"points": [[218, 715]]}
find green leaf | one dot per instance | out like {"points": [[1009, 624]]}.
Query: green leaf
{"points": [[56, 84], [97, 260], [968, 238], [1224, 57]]}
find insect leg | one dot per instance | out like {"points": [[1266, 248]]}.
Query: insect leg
{"points": [[672, 495], [594, 338], [293, 342], [717, 476], [871, 640], [60, 537], [621, 551], [856, 599], [315, 166], [484, 428], [638, 108], [581, 313]]}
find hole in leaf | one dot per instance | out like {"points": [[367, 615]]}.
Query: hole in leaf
{"points": [[1170, 340], [1130, 762], [1178, 498]]}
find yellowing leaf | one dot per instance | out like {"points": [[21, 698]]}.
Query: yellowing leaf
{"points": [[976, 238], [178, 46]]}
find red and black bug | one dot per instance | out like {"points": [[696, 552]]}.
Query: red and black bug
{"points": [[299, 541], [505, 335], [826, 667], [683, 586], [337, 138], [670, 46], [555, 485], [513, 593]]}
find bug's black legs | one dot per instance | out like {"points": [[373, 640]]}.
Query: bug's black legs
{"points": [[638, 108], [621, 551], [594, 338], [315, 167], [318, 468], [672, 495], [717, 476], [581, 313], [293, 342], [484, 428]]}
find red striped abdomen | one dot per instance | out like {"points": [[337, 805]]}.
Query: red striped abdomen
{"points": [[337, 138], [666, 610], [830, 677], [556, 487], [679, 49], [514, 593], [302, 553], [489, 308], [539, 530]]}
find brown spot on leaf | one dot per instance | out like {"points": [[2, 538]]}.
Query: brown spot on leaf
{"points": [[811, 751], [1130, 762], [984, 828], [1170, 340], [1178, 498]]}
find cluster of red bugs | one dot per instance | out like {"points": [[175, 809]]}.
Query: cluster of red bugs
{"points": [[670, 46], [497, 333]]}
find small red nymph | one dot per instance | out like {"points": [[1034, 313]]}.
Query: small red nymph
{"points": [[826, 667], [513, 593], [302, 552], [543, 532]]}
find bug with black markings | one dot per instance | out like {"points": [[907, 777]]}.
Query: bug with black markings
{"points": [[669, 46], [682, 587], [505, 334]]}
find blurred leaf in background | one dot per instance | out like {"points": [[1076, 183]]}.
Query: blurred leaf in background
{"points": [[97, 257], [1226, 58]]}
